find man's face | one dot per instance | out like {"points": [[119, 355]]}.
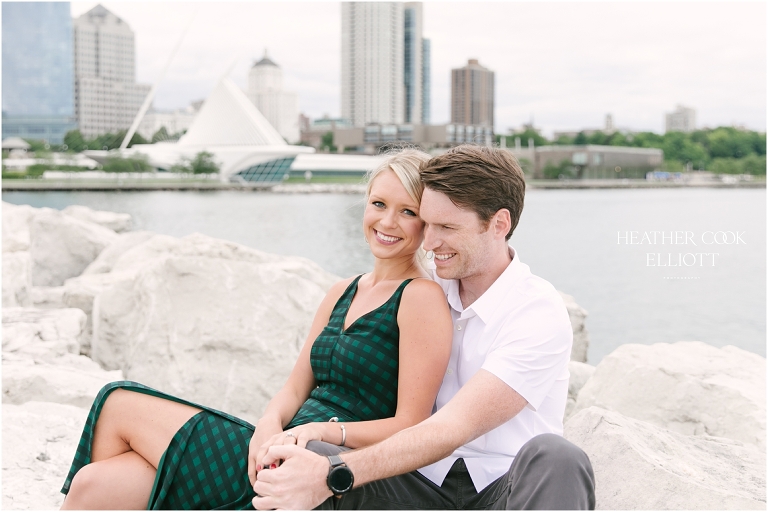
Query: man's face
{"points": [[460, 240]]}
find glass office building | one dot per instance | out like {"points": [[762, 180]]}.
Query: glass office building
{"points": [[38, 81], [426, 81]]}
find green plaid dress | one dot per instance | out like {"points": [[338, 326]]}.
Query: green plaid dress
{"points": [[205, 465]]}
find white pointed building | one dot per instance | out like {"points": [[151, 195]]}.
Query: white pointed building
{"points": [[280, 107], [243, 143]]}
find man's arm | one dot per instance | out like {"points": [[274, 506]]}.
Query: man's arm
{"points": [[482, 404]]}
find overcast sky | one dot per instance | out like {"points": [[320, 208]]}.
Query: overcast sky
{"points": [[564, 64]]}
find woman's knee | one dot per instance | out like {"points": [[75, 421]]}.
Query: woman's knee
{"points": [[84, 485]]}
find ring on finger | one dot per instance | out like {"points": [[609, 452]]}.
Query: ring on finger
{"points": [[290, 434]]}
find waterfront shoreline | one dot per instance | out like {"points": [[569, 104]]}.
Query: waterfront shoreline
{"points": [[131, 185]]}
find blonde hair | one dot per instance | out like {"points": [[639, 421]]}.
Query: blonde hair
{"points": [[406, 164]]}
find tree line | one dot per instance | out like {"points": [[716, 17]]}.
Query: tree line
{"points": [[724, 150]]}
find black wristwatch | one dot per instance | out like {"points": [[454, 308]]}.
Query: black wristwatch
{"points": [[340, 477]]}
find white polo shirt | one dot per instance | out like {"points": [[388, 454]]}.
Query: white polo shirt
{"points": [[519, 331]]}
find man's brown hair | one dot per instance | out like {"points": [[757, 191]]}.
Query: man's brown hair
{"points": [[478, 178]]}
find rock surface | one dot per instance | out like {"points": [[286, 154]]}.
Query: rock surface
{"points": [[106, 260], [42, 334], [577, 315], [39, 442], [117, 222], [687, 387], [16, 219], [17, 279], [640, 466], [580, 374], [62, 246], [47, 297], [221, 332], [27, 380]]}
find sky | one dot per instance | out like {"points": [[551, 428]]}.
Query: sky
{"points": [[564, 65]]}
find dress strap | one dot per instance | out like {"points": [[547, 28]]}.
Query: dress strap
{"points": [[341, 307]]}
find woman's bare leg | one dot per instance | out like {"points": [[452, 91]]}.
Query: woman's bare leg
{"points": [[130, 436], [122, 482]]}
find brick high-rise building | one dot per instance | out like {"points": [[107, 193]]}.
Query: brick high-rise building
{"points": [[472, 91]]}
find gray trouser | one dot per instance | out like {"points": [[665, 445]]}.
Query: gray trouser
{"points": [[548, 473]]}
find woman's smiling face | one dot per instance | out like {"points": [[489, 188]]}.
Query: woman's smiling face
{"points": [[391, 221]]}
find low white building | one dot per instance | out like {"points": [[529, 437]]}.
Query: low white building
{"points": [[280, 107], [174, 121]]}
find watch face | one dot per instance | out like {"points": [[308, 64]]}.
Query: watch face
{"points": [[340, 479]]}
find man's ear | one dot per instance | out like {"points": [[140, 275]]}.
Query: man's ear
{"points": [[500, 223]]}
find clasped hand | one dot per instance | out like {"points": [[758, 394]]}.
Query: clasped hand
{"points": [[299, 436]]}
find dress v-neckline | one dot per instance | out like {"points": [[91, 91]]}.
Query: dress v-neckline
{"points": [[344, 329]]}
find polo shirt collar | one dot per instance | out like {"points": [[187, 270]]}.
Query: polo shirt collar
{"points": [[486, 305]]}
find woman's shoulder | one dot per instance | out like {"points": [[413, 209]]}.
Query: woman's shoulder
{"points": [[338, 288], [422, 289]]}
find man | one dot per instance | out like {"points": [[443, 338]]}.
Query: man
{"points": [[493, 441]]}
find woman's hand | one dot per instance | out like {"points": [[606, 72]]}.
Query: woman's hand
{"points": [[300, 436], [265, 430]]}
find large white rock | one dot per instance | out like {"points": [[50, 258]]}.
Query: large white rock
{"points": [[577, 315], [579, 375], [198, 245], [39, 443], [687, 387], [44, 334], [47, 297], [220, 332], [17, 280], [639, 466], [107, 258], [80, 292], [117, 222], [62, 246], [27, 380], [16, 219]]}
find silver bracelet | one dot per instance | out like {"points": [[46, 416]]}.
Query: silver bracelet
{"points": [[343, 434]]}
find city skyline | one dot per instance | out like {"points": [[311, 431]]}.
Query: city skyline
{"points": [[566, 65]]}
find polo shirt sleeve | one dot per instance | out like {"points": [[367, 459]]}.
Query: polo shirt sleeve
{"points": [[532, 347]]}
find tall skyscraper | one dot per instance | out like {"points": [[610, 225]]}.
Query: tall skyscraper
{"points": [[38, 101], [107, 96], [372, 89], [412, 61], [472, 90], [280, 107], [385, 63], [426, 81], [683, 119]]}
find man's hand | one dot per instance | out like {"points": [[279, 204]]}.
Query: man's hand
{"points": [[299, 483]]}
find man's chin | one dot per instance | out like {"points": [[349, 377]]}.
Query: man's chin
{"points": [[446, 273]]}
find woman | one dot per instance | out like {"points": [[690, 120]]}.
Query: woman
{"points": [[370, 366]]}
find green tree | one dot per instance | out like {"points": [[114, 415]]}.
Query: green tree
{"points": [[203, 163], [75, 141], [529, 133], [160, 135], [580, 139], [135, 163], [564, 169], [326, 142], [753, 164]]}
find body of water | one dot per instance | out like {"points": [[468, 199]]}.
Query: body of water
{"points": [[691, 284]]}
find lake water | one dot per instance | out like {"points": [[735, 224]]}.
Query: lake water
{"points": [[576, 239]]}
